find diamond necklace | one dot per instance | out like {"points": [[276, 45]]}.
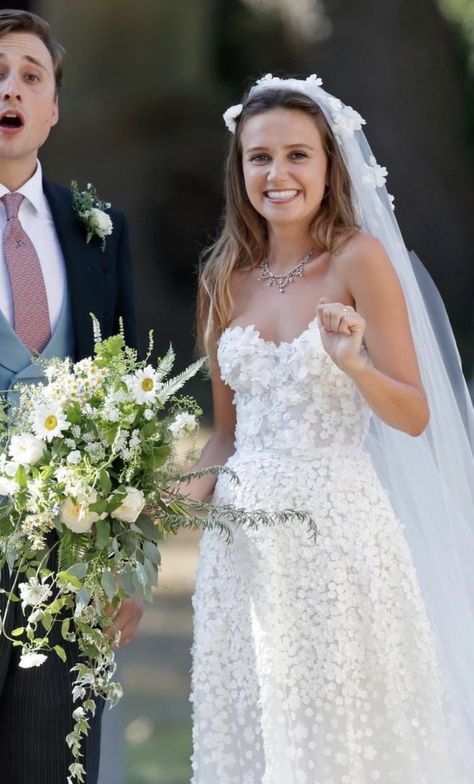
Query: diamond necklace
{"points": [[289, 277]]}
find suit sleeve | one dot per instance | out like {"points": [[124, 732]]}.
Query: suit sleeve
{"points": [[125, 305]]}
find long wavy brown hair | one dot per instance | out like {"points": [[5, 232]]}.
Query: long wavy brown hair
{"points": [[242, 243]]}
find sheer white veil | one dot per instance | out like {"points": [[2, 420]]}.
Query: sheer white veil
{"points": [[430, 478]]}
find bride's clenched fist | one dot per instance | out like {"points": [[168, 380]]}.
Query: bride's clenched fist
{"points": [[342, 331]]}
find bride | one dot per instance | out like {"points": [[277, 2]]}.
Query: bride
{"points": [[345, 658]]}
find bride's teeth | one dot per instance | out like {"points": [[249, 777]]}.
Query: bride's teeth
{"points": [[281, 194]]}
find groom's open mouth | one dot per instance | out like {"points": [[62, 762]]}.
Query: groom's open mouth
{"points": [[11, 121]]}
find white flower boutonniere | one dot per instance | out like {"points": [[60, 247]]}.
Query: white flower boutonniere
{"points": [[91, 211]]}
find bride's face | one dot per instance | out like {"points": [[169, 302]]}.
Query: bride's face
{"points": [[284, 166]]}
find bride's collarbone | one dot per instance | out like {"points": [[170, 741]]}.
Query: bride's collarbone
{"points": [[285, 320], [275, 327], [282, 317]]}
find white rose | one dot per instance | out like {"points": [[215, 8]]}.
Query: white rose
{"points": [[10, 468], [100, 222], [184, 423], [77, 516], [7, 486], [26, 449], [131, 506], [28, 660]]}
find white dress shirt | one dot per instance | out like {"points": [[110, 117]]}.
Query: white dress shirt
{"points": [[35, 217]]}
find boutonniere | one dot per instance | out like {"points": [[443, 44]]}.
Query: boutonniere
{"points": [[91, 211]]}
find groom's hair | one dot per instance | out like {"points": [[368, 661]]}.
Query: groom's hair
{"points": [[14, 21]]}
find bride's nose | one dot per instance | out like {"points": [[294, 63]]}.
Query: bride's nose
{"points": [[277, 170]]}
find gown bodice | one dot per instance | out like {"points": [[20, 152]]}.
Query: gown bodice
{"points": [[290, 397]]}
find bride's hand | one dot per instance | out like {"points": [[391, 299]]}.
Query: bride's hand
{"points": [[342, 330]]}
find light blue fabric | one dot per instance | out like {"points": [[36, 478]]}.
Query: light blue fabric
{"points": [[16, 366]]}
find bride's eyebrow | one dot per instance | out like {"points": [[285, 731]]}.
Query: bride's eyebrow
{"points": [[286, 147]]}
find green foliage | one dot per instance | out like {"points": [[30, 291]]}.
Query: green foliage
{"points": [[110, 349], [59, 650], [102, 533], [460, 13], [73, 549]]}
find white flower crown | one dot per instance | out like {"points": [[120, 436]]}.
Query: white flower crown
{"points": [[345, 119]]}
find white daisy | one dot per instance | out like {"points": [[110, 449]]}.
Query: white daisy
{"points": [[144, 385], [48, 421]]}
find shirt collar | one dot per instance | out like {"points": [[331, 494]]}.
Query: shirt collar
{"points": [[32, 190]]}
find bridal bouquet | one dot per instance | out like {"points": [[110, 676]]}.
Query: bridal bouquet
{"points": [[88, 459]]}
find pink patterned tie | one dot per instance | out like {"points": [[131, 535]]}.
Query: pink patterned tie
{"points": [[30, 304]]}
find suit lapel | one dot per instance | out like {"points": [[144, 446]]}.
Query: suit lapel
{"points": [[84, 266]]}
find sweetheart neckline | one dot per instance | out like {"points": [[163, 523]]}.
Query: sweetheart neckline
{"points": [[272, 343]]}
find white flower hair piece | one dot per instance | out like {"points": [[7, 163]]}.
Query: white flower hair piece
{"points": [[230, 116], [268, 79], [346, 121], [375, 176], [314, 80], [275, 82]]}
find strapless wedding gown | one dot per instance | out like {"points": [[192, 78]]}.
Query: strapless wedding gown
{"points": [[314, 661]]}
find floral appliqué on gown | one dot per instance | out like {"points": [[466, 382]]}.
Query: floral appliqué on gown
{"points": [[314, 661]]}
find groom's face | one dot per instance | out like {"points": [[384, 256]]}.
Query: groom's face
{"points": [[28, 99]]}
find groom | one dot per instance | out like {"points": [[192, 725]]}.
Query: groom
{"points": [[51, 279]]}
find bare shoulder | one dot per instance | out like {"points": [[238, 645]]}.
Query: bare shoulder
{"points": [[241, 283], [238, 279], [364, 266], [360, 254]]}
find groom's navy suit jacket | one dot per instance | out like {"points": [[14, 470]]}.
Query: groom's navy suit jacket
{"points": [[99, 281], [36, 705]]}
